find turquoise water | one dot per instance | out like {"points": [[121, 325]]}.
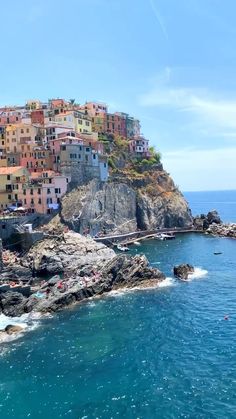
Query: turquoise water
{"points": [[223, 201], [164, 353]]}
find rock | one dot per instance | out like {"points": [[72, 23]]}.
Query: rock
{"points": [[222, 230], [213, 217], [68, 254], [183, 271], [127, 271], [54, 280], [11, 329], [126, 204], [202, 222], [121, 271], [12, 303]]}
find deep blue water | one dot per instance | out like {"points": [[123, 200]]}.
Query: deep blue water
{"points": [[163, 353], [223, 201]]}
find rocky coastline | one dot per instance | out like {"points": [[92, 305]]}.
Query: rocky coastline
{"points": [[76, 268], [222, 230]]}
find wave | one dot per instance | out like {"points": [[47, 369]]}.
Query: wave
{"points": [[198, 273], [168, 282], [28, 322]]}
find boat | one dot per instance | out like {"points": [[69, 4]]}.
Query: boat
{"points": [[137, 243], [217, 253], [164, 236], [122, 248]]}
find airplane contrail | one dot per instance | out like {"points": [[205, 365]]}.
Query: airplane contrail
{"points": [[159, 19]]}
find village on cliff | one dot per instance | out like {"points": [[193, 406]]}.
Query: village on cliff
{"points": [[47, 148]]}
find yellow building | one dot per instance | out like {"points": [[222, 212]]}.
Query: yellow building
{"points": [[19, 134], [3, 158], [11, 179], [33, 104]]}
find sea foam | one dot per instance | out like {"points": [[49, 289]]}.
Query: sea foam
{"points": [[198, 273]]}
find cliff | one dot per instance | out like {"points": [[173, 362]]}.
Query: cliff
{"points": [[127, 202]]}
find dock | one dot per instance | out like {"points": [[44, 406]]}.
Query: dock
{"points": [[130, 238]]}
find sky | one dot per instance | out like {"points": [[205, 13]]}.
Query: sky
{"points": [[170, 63]]}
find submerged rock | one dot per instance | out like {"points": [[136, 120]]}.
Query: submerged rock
{"points": [[183, 271]]}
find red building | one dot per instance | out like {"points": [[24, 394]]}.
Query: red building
{"points": [[37, 117]]}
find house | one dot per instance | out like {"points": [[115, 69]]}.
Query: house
{"points": [[139, 146], [11, 179], [82, 163], [43, 191]]}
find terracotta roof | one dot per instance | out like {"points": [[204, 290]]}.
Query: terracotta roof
{"points": [[10, 170]]}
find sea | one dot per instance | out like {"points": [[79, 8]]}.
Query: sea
{"points": [[168, 352]]}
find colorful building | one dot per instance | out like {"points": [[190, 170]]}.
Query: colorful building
{"points": [[42, 193], [139, 146], [11, 179]]}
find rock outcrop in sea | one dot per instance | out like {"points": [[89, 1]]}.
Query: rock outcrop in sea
{"points": [[203, 221], [183, 271], [222, 230], [77, 268]]}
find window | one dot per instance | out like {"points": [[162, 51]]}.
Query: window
{"points": [[87, 149], [31, 191], [16, 197], [9, 197], [39, 201], [24, 191], [32, 201], [105, 165], [48, 190], [80, 122], [87, 123], [39, 191], [22, 131], [27, 130], [94, 156], [25, 202], [8, 177], [63, 147], [3, 226]]}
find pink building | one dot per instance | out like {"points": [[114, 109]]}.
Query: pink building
{"points": [[44, 191], [10, 117]]}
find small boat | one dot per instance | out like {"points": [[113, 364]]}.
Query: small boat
{"points": [[122, 248], [164, 236], [217, 253], [137, 243]]}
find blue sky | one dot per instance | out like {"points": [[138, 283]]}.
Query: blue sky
{"points": [[171, 63]]}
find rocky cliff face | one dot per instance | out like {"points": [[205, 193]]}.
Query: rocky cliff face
{"points": [[146, 201]]}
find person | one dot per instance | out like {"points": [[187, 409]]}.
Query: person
{"points": [[59, 285], [47, 292]]}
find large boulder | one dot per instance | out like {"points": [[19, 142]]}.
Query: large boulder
{"points": [[213, 217], [183, 271]]}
